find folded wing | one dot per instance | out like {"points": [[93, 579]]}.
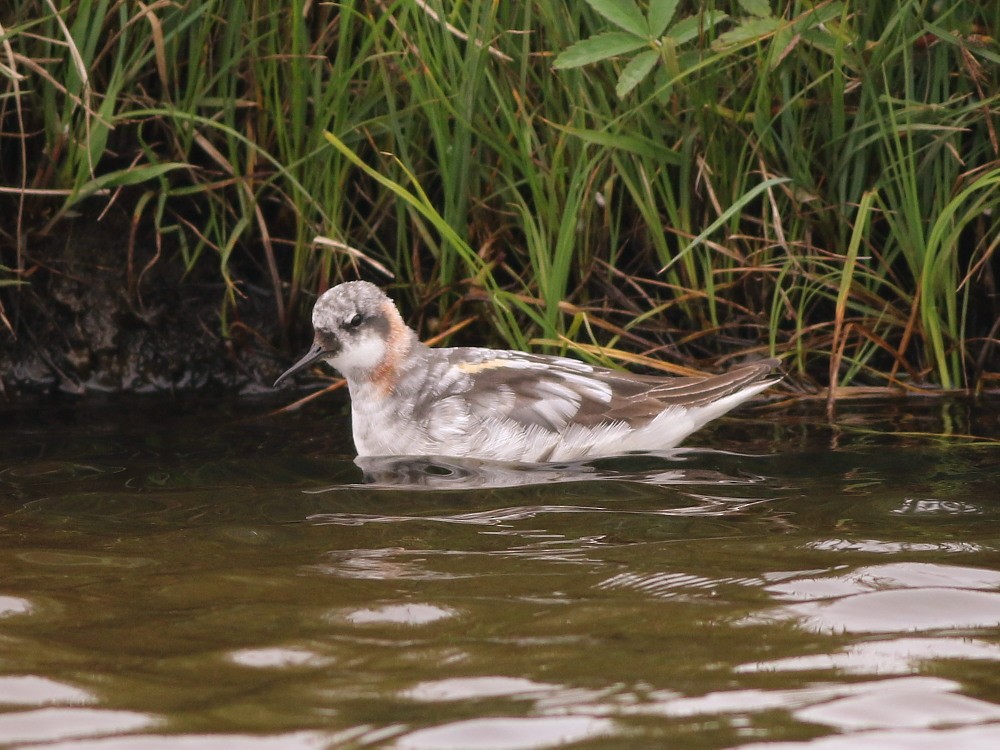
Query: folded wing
{"points": [[553, 392]]}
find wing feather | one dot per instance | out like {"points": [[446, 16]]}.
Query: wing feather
{"points": [[553, 393]]}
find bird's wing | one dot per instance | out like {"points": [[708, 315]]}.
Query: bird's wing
{"points": [[555, 392]]}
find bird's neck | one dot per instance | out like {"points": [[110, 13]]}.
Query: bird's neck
{"points": [[401, 344]]}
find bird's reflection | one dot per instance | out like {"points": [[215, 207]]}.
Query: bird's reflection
{"points": [[677, 467]]}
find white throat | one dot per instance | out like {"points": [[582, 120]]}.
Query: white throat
{"points": [[360, 357]]}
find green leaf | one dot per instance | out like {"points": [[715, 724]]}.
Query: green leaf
{"points": [[598, 47], [821, 40], [821, 14], [753, 30], [725, 216], [691, 26], [127, 176], [984, 53], [663, 82], [646, 147], [135, 175], [951, 38], [417, 200], [624, 14], [661, 13], [10, 282], [851, 259], [637, 69], [782, 44], [759, 8]]}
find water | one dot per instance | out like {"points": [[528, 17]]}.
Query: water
{"points": [[195, 574]]}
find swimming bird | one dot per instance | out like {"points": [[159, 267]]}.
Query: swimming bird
{"points": [[408, 399]]}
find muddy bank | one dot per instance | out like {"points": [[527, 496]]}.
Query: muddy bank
{"points": [[88, 319]]}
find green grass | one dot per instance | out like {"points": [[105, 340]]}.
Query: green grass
{"points": [[818, 180]]}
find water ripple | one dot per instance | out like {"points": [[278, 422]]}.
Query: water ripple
{"points": [[14, 605], [900, 597], [503, 516], [666, 585], [31, 690], [474, 688], [510, 733], [290, 741], [881, 547], [49, 724], [896, 656], [986, 737]]}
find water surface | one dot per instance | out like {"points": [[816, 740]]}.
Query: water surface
{"points": [[198, 574]]}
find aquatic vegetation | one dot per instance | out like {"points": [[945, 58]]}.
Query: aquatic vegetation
{"points": [[812, 179]]}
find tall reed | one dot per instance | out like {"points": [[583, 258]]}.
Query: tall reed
{"points": [[684, 180]]}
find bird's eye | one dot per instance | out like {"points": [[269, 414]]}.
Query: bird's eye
{"points": [[356, 320]]}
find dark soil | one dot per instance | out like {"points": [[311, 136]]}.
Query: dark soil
{"points": [[87, 320]]}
